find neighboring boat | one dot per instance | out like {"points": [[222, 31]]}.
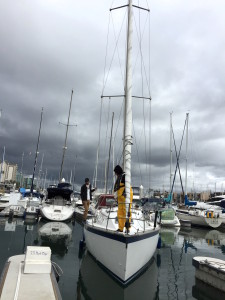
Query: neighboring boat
{"points": [[123, 254], [31, 202], [217, 200], [166, 217], [58, 206], [202, 214], [210, 270], [103, 200], [58, 203], [79, 212], [30, 276], [13, 211], [137, 194], [7, 199], [199, 213]]}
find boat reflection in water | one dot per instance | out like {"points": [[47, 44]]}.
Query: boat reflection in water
{"points": [[168, 235], [10, 224], [56, 235], [94, 283]]}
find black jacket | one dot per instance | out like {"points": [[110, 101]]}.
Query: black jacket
{"points": [[120, 181], [83, 192]]}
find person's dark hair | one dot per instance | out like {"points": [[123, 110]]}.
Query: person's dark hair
{"points": [[86, 179], [118, 170]]}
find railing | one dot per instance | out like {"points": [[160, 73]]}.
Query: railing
{"points": [[132, 218]]}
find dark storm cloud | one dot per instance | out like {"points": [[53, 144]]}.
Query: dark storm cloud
{"points": [[49, 48]]}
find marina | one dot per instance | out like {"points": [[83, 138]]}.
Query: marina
{"points": [[133, 212], [169, 275]]}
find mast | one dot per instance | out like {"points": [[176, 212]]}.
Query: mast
{"points": [[35, 161], [40, 171], [186, 157], [128, 110], [21, 171], [65, 146], [170, 195], [2, 164]]}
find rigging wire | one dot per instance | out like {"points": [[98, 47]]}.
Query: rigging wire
{"points": [[115, 49], [140, 36], [144, 77], [178, 157], [95, 176]]}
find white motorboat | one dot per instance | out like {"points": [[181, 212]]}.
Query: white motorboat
{"points": [[166, 217], [7, 199], [30, 276], [210, 270], [13, 211], [58, 203]]}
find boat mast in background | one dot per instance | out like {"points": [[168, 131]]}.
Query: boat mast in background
{"points": [[35, 161], [65, 144], [2, 164]]}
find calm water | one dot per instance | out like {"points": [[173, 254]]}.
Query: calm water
{"points": [[170, 275]]}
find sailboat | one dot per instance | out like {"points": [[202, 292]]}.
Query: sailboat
{"points": [[123, 254], [58, 206], [199, 213], [167, 216]]}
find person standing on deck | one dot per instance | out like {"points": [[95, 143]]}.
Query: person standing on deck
{"points": [[86, 196], [119, 190]]}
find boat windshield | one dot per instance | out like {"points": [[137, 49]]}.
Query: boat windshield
{"points": [[168, 214]]}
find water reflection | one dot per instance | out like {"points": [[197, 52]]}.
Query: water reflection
{"points": [[203, 291], [56, 235], [168, 235], [94, 283], [213, 238], [170, 276]]}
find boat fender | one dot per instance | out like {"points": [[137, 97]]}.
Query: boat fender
{"points": [[82, 244], [156, 215], [159, 243]]}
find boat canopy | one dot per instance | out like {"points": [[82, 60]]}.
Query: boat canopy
{"points": [[63, 190]]}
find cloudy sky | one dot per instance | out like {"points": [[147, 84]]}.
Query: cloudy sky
{"points": [[49, 47]]}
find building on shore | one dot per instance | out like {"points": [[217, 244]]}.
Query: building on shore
{"points": [[8, 172]]}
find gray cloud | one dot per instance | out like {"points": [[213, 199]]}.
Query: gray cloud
{"points": [[47, 49]]}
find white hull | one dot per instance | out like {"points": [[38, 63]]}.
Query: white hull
{"points": [[57, 212], [171, 223], [123, 255], [198, 218], [210, 270], [166, 221], [24, 278], [195, 220]]}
